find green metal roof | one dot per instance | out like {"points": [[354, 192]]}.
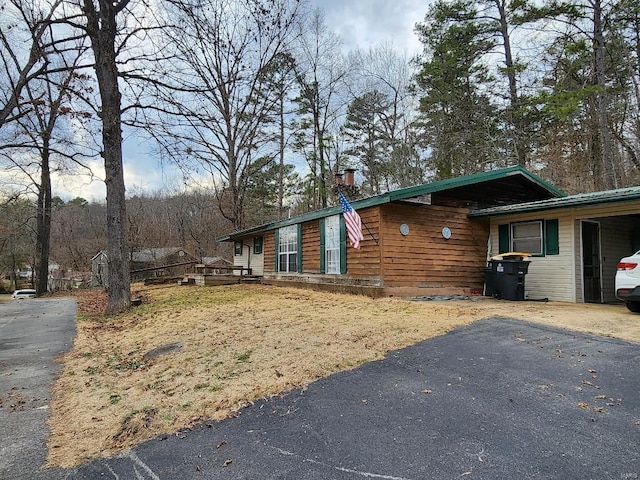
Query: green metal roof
{"points": [[406, 193], [579, 200], [467, 180]]}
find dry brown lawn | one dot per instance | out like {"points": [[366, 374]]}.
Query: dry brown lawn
{"points": [[241, 343]]}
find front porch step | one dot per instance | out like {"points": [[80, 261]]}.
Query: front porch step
{"points": [[251, 279]]}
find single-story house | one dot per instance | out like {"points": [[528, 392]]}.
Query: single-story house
{"points": [[436, 238], [417, 241], [160, 262]]}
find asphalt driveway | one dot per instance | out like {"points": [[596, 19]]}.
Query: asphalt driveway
{"points": [[32, 333], [499, 399]]}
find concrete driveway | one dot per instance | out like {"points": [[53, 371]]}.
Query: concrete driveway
{"points": [[499, 399], [32, 333]]}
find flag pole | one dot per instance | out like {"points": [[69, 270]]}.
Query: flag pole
{"points": [[368, 230]]}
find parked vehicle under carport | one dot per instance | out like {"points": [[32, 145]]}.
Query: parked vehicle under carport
{"points": [[628, 282]]}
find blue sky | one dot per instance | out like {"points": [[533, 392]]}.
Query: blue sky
{"points": [[360, 24]]}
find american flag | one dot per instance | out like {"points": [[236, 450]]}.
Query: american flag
{"points": [[352, 221]]}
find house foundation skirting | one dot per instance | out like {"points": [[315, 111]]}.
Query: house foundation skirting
{"points": [[408, 292], [366, 290]]}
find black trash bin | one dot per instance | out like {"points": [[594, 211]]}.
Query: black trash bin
{"points": [[504, 277]]}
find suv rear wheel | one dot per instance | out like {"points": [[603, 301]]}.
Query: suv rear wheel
{"points": [[633, 306]]}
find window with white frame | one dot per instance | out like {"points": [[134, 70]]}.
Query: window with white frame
{"points": [[332, 244], [527, 237], [288, 249]]}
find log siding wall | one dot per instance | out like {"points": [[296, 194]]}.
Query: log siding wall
{"points": [[365, 263], [404, 264], [311, 247], [424, 258]]}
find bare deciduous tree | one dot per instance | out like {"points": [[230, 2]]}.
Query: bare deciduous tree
{"points": [[25, 43], [321, 72], [215, 111], [37, 93], [102, 27]]}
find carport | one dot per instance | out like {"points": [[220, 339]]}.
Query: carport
{"points": [[576, 241]]}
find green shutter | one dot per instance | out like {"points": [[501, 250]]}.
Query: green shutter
{"points": [[299, 236], [552, 237], [276, 239], [504, 244], [343, 246], [323, 267]]}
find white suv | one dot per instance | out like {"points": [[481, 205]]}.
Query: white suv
{"points": [[628, 282], [24, 293]]}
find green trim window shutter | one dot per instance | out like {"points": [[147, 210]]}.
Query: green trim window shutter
{"points": [[323, 267], [276, 235], [299, 261], [552, 237], [343, 246], [504, 244]]}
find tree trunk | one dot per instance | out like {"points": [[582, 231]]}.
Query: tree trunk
{"points": [[514, 115], [602, 103], [281, 141], [43, 223], [14, 264], [321, 150], [101, 27]]}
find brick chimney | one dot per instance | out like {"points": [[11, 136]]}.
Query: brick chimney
{"points": [[349, 176]]}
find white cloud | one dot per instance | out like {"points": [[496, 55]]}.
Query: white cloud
{"points": [[367, 23], [69, 186]]}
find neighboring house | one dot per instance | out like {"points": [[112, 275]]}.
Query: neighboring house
{"points": [[160, 262], [99, 270], [150, 262], [215, 261], [417, 241], [64, 279], [576, 241]]}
